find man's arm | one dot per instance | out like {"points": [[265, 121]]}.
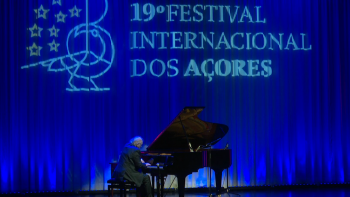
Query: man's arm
{"points": [[136, 157]]}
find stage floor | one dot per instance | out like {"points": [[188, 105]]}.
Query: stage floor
{"points": [[319, 192]]}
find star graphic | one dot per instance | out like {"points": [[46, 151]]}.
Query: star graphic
{"points": [[35, 31], [61, 17], [32, 48], [56, 2], [41, 12], [74, 11], [53, 31], [54, 46]]}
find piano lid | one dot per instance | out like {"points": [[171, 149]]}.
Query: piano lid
{"points": [[199, 132]]}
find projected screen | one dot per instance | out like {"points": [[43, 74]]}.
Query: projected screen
{"points": [[203, 41], [82, 77]]}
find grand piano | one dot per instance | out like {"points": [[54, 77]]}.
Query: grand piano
{"points": [[184, 147]]}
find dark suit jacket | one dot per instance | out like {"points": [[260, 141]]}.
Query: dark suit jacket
{"points": [[129, 165]]}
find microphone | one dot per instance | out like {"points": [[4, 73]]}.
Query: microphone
{"points": [[190, 145], [198, 148], [213, 142], [226, 147]]}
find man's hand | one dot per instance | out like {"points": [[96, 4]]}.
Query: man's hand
{"points": [[147, 164]]}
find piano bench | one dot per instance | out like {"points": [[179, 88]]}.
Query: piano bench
{"points": [[122, 185]]}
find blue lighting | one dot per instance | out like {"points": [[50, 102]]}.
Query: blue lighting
{"points": [[80, 78]]}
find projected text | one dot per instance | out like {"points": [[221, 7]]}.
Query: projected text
{"points": [[239, 41]]}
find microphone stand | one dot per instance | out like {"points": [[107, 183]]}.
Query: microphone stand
{"points": [[209, 145], [210, 173]]}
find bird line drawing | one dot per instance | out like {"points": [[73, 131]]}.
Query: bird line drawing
{"points": [[88, 29]]}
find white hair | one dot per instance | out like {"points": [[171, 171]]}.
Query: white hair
{"points": [[136, 140]]}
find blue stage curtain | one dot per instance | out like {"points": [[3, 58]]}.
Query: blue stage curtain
{"points": [[59, 134]]}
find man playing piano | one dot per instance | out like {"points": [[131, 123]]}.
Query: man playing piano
{"points": [[130, 167]]}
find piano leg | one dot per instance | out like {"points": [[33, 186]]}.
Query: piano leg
{"points": [[181, 184], [162, 186], [153, 185], [218, 175], [219, 191], [158, 185]]}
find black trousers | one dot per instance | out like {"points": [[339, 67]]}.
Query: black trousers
{"points": [[145, 189]]}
